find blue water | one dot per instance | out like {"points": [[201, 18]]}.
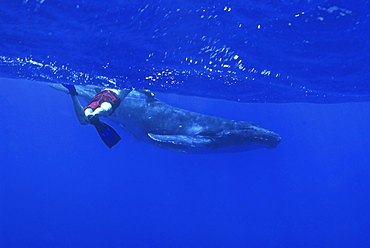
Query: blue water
{"points": [[248, 51], [275, 60]]}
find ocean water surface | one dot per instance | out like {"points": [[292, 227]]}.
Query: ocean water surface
{"points": [[298, 68]]}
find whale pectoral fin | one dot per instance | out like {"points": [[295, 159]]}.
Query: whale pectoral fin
{"points": [[181, 140]]}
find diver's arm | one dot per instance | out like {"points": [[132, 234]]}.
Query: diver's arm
{"points": [[79, 110]]}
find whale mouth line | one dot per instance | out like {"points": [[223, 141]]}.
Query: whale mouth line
{"points": [[216, 143]]}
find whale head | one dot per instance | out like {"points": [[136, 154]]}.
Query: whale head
{"points": [[248, 136]]}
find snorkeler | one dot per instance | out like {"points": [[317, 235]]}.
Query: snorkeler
{"points": [[102, 105]]}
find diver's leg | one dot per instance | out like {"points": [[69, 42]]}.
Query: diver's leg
{"points": [[79, 110]]}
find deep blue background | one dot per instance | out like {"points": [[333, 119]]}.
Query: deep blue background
{"points": [[61, 187]]}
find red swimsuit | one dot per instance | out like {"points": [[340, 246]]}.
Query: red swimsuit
{"points": [[104, 96]]}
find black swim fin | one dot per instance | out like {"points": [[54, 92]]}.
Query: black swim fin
{"points": [[71, 88], [109, 136]]}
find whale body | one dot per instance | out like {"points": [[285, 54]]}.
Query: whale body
{"points": [[155, 122]]}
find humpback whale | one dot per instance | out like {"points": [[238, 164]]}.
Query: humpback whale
{"points": [[150, 120]]}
